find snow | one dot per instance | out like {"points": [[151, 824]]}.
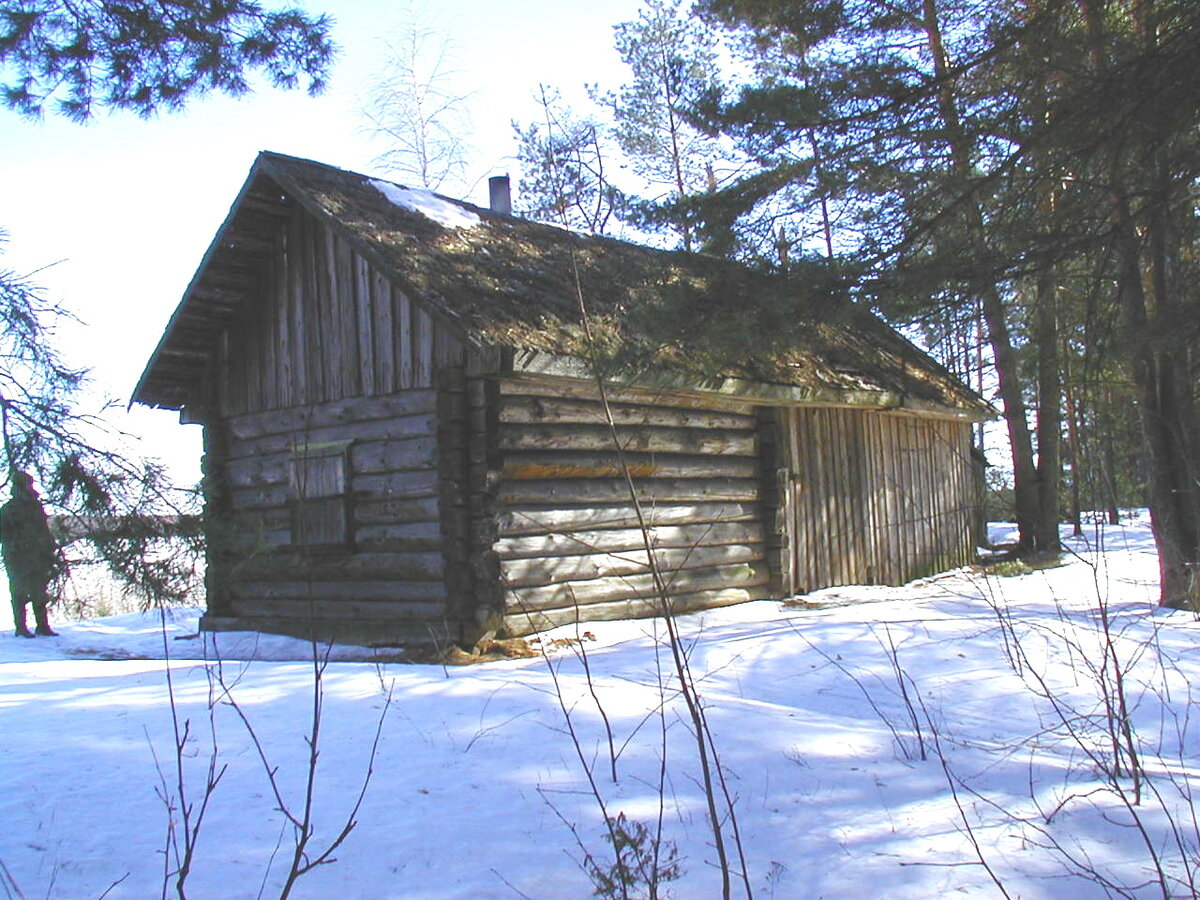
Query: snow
{"points": [[476, 781], [445, 212]]}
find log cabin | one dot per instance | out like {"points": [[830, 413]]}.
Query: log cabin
{"points": [[424, 420]]}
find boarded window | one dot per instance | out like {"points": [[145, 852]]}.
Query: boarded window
{"points": [[321, 498]]}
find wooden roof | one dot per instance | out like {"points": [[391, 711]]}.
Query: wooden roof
{"points": [[502, 281]]}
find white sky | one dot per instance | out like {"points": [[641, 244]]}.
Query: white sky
{"points": [[124, 208]]}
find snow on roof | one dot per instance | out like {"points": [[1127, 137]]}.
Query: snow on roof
{"points": [[430, 205]]}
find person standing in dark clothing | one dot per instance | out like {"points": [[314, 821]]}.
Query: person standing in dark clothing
{"points": [[30, 554]]}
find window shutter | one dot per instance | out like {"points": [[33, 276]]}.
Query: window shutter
{"points": [[322, 514]]}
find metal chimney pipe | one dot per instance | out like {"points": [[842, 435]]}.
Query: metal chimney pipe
{"points": [[500, 194]]}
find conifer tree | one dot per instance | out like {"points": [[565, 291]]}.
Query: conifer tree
{"points": [[565, 168], [73, 59], [672, 65], [997, 153], [77, 57]]}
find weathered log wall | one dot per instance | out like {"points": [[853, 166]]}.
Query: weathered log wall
{"points": [[390, 581], [557, 523], [872, 497], [332, 351]]}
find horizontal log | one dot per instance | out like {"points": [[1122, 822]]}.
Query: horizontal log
{"points": [[570, 410], [640, 465], [362, 593], [643, 439], [376, 510], [370, 457], [552, 570], [521, 623], [338, 414], [580, 543], [586, 390], [621, 587], [519, 492], [400, 428], [261, 498], [403, 538], [301, 610], [543, 520], [287, 566], [386, 637], [415, 483], [395, 454]]}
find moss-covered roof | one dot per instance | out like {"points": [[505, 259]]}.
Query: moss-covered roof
{"points": [[502, 281]]}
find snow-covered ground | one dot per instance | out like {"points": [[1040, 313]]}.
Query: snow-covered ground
{"points": [[476, 784]]}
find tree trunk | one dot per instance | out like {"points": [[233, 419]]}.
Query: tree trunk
{"points": [[1071, 408], [1164, 401], [995, 314], [1049, 422], [1154, 337]]}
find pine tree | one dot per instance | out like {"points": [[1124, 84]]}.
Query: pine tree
{"points": [[123, 507], [565, 163], [1000, 154], [76, 57], [672, 62]]}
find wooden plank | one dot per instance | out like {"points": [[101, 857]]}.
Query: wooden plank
{"points": [[373, 458], [403, 537], [365, 325], [402, 338], [422, 348], [620, 539], [415, 483], [314, 336], [611, 490], [642, 439], [296, 303], [283, 297], [869, 489], [383, 510], [325, 291], [586, 390], [425, 565], [541, 520], [348, 318], [517, 622], [416, 604], [398, 428], [546, 465], [551, 570], [339, 412], [261, 496], [395, 454], [340, 591], [383, 329], [626, 587], [570, 410], [268, 391]]}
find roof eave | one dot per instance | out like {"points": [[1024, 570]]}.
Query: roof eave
{"points": [[531, 363], [139, 394]]}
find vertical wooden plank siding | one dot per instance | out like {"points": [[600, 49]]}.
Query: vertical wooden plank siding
{"points": [[324, 325], [877, 496]]}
